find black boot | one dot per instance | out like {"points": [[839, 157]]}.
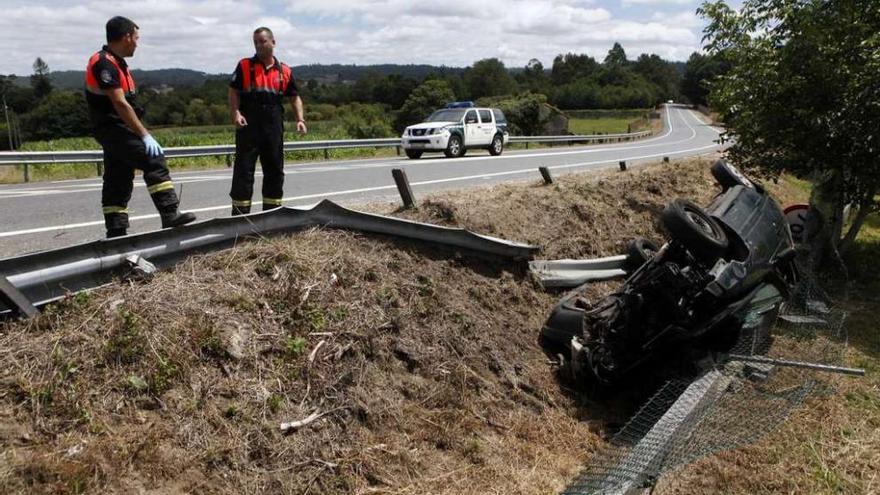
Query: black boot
{"points": [[176, 219], [240, 210], [111, 233]]}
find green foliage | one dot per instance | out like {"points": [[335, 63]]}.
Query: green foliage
{"points": [[700, 71], [40, 79], [426, 98], [60, 114], [526, 114], [570, 67], [488, 77], [367, 122], [294, 346], [802, 91], [616, 56], [126, 343]]}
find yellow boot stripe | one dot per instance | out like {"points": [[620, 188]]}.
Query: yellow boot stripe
{"points": [[272, 201], [115, 209], [162, 186], [242, 203]]}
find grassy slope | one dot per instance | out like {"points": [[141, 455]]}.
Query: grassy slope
{"points": [[425, 365]]}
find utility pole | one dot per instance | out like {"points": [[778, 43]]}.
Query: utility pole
{"points": [[8, 128]]}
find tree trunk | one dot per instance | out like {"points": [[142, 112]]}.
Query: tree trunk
{"points": [[824, 222], [866, 206]]}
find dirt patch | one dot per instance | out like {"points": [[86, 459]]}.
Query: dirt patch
{"points": [[421, 363]]}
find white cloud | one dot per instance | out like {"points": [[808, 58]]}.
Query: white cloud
{"points": [[660, 2], [211, 35]]}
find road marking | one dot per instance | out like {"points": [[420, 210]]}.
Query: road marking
{"points": [[377, 163], [356, 191]]}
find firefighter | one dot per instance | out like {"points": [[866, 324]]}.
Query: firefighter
{"points": [[110, 93], [256, 97]]}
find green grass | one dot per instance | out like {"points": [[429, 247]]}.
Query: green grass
{"points": [[605, 125]]}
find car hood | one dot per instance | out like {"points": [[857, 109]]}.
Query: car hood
{"points": [[431, 125]]}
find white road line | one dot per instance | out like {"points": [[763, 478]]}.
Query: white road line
{"points": [[362, 190], [296, 169]]}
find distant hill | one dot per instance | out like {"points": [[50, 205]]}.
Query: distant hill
{"points": [[178, 78]]}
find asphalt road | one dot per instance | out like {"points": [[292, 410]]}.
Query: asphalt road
{"points": [[48, 215]]}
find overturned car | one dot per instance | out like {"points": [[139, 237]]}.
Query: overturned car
{"points": [[718, 282]]}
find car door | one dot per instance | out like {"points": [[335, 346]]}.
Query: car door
{"points": [[472, 131], [487, 127]]}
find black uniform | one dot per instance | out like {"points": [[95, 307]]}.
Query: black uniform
{"points": [[261, 95], [124, 151]]}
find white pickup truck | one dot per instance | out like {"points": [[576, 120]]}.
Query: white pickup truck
{"points": [[456, 129]]}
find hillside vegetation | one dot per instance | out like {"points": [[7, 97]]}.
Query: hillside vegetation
{"points": [[419, 363]]}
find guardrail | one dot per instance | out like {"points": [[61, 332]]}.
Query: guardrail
{"points": [[26, 158]]}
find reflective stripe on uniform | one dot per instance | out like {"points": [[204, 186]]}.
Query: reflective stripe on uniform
{"points": [[115, 209], [241, 204], [272, 201], [162, 186]]}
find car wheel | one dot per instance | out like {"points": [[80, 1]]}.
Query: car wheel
{"points": [[700, 234], [497, 145], [728, 176], [414, 154], [639, 251], [454, 148]]}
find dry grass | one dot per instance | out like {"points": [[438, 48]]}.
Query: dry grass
{"points": [[422, 361]]}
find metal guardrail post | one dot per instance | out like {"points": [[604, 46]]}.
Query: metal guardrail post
{"points": [[326, 153], [403, 188], [99, 168], [229, 159], [27, 174], [398, 150], [622, 165], [545, 173]]}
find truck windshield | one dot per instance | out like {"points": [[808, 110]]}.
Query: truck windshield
{"points": [[447, 115]]}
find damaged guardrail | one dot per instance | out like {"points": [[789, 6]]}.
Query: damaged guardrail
{"points": [[49, 275]]}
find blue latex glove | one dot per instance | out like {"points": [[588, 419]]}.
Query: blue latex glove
{"points": [[153, 148]]}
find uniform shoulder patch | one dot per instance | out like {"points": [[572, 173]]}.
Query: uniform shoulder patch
{"points": [[106, 77]]}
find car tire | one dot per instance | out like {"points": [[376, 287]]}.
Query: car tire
{"points": [[639, 251], [454, 148], [728, 176], [700, 234], [497, 145], [414, 154]]}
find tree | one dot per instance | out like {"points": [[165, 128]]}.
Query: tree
{"points": [[423, 100], [488, 77], [59, 114], [570, 67], [699, 72], [660, 73], [616, 56], [801, 96], [40, 79], [533, 78]]}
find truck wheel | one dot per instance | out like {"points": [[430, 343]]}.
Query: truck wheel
{"points": [[728, 176], [454, 149], [414, 154], [497, 145], [695, 229]]}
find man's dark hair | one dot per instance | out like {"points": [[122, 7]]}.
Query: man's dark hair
{"points": [[118, 27], [264, 29]]}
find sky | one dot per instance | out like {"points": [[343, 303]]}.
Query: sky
{"points": [[212, 35]]}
